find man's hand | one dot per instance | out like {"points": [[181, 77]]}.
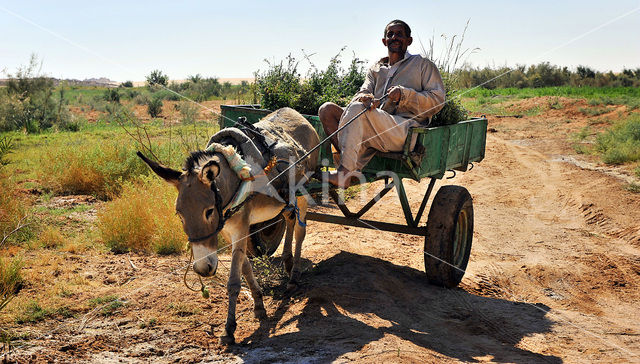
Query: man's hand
{"points": [[369, 101], [395, 93]]}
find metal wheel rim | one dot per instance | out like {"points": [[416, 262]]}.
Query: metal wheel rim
{"points": [[460, 238]]}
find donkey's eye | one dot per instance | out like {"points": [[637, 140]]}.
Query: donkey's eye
{"points": [[208, 213]]}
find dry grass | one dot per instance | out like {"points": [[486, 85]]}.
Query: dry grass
{"points": [[97, 169], [10, 279], [142, 219], [51, 238]]}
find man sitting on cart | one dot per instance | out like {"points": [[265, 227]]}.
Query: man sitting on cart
{"points": [[415, 93]]}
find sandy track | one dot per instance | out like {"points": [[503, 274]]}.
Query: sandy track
{"points": [[553, 277]]}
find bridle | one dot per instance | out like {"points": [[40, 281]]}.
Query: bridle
{"points": [[223, 215]]}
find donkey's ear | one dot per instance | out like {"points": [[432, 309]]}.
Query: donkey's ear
{"points": [[209, 171], [168, 174]]}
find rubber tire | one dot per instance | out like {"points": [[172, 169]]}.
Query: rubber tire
{"points": [[451, 214], [266, 241]]}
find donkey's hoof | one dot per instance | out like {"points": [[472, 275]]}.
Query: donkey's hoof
{"points": [[260, 313], [288, 265], [227, 340], [291, 288]]}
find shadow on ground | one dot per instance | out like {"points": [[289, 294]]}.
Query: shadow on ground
{"points": [[392, 300]]}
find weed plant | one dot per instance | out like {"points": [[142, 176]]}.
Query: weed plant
{"points": [[33, 312], [270, 276], [110, 304], [142, 219], [6, 147], [633, 187], [555, 104], [595, 111]]}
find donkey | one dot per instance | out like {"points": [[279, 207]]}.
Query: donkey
{"points": [[208, 185]]}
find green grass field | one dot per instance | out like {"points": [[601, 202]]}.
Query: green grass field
{"points": [[564, 91]]}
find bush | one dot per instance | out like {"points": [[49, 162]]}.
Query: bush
{"points": [[142, 99], [98, 169], [154, 107], [621, 143], [188, 112], [142, 219], [112, 95], [127, 84]]}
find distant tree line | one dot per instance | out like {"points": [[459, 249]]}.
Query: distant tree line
{"points": [[544, 75]]}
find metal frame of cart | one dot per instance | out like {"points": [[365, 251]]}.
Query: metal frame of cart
{"points": [[449, 229]]}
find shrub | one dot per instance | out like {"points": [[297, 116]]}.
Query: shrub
{"points": [[154, 107], [620, 143], [142, 99], [188, 112], [112, 95], [127, 84], [28, 102], [142, 219]]}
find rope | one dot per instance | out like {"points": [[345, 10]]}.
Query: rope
{"points": [[203, 288]]}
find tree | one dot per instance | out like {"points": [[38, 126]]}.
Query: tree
{"points": [[156, 77]]}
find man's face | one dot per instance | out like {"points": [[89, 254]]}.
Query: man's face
{"points": [[396, 40]]}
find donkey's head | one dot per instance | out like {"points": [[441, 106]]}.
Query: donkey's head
{"points": [[200, 202]]}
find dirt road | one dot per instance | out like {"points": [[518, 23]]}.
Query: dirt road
{"points": [[554, 277]]}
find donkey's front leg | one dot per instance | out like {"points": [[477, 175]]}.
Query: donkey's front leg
{"points": [[238, 257], [256, 291]]}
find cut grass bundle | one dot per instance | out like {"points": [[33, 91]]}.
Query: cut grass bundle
{"points": [[142, 219]]}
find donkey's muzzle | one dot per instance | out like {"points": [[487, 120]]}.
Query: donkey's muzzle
{"points": [[205, 260]]}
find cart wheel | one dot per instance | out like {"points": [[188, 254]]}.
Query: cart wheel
{"points": [[449, 236], [265, 240]]}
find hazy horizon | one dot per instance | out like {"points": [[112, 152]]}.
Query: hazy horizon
{"points": [[125, 41]]}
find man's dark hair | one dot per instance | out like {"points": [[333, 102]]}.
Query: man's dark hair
{"points": [[407, 30]]}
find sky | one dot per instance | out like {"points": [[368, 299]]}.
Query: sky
{"points": [[126, 40]]}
